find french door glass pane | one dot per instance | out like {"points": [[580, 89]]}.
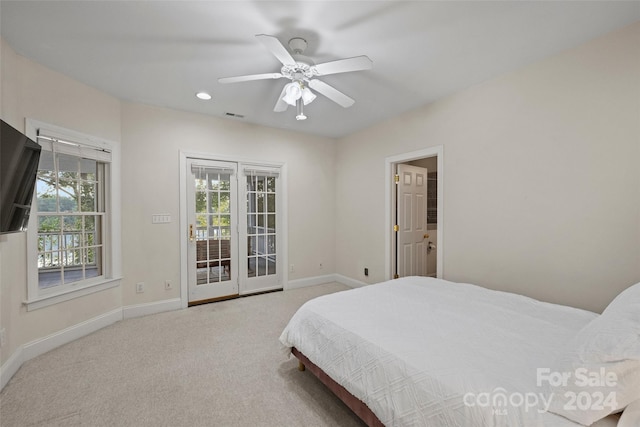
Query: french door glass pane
{"points": [[213, 227], [213, 202], [271, 266], [272, 244], [225, 182], [261, 224], [224, 202], [271, 202], [262, 266], [271, 184], [260, 202]]}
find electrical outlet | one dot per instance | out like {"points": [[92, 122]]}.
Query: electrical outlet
{"points": [[366, 271], [140, 287], [3, 337], [321, 266], [292, 268], [168, 285]]}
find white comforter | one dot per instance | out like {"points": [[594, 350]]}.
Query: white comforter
{"points": [[427, 352]]}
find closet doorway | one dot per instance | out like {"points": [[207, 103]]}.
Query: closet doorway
{"points": [[233, 225], [414, 214]]}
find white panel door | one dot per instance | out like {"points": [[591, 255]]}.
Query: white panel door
{"points": [[412, 221], [212, 230]]}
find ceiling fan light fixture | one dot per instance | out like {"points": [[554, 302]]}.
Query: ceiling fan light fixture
{"points": [[307, 95], [292, 93], [300, 115]]}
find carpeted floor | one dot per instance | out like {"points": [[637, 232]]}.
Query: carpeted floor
{"points": [[218, 364]]}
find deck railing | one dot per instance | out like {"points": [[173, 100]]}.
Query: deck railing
{"points": [[69, 249]]}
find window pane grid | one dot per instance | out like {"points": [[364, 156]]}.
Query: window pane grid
{"points": [[261, 226], [213, 226], [70, 216]]}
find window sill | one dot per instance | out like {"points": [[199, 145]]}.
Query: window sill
{"points": [[48, 300]]}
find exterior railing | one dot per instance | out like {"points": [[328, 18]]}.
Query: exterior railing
{"points": [[202, 233], [224, 232], [67, 248]]}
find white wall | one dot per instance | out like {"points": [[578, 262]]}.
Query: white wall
{"points": [[542, 187], [152, 138], [32, 91]]}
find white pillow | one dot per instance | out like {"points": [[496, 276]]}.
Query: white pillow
{"points": [[599, 372]]}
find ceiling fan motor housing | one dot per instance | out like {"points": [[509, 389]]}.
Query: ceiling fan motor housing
{"points": [[303, 67], [298, 71]]}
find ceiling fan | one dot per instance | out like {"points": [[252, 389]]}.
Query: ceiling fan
{"points": [[302, 71]]}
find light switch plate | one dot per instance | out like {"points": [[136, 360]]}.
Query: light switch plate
{"points": [[160, 218]]}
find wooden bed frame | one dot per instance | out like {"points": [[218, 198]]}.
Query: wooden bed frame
{"points": [[356, 405]]}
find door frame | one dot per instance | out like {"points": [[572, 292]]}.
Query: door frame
{"points": [[283, 252], [390, 215]]}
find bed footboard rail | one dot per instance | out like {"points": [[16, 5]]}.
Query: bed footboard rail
{"points": [[356, 405]]}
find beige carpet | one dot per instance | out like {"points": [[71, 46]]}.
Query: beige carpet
{"points": [[218, 364]]}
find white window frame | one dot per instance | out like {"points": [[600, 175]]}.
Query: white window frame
{"points": [[112, 267]]}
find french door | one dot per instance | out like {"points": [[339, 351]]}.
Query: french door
{"points": [[212, 229], [234, 228], [261, 226]]}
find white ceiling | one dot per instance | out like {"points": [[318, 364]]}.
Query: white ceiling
{"points": [[163, 52]]}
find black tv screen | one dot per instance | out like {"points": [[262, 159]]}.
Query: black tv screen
{"points": [[19, 158]]}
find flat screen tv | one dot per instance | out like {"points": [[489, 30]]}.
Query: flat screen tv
{"points": [[19, 158]]}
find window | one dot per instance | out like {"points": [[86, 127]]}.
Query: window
{"points": [[70, 211], [70, 242]]}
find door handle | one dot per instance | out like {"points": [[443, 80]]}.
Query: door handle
{"points": [[426, 236], [191, 232]]}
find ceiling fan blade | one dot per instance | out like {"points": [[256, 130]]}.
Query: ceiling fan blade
{"points": [[278, 50], [280, 104], [332, 93], [250, 77], [356, 63]]}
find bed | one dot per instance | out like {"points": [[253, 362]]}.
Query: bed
{"points": [[428, 352]]}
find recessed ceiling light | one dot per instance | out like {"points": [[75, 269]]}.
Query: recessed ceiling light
{"points": [[203, 95]]}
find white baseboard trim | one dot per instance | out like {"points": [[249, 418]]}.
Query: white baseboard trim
{"points": [[328, 278], [139, 310], [48, 343], [348, 281], [10, 367], [311, 281], [42, 345]]}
